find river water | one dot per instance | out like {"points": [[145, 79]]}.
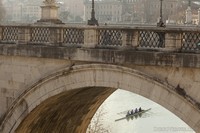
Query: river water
{"points": [[157, 120]]}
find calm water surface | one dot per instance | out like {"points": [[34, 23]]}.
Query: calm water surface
{"points": [[157, 120]]}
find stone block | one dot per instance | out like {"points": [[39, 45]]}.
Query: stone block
{"points": [[90, 38], [6, 128], [173, 41], [156, 92], [146, 87], [18, 77]]}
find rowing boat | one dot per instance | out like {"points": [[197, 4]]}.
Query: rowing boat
{"points": [[135, 114]]}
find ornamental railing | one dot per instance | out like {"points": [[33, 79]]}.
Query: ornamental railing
{"points": [[185, 39], [73, 36], [109, 37], [9, 33], [40, 35], [190, 41], [151, 39]]}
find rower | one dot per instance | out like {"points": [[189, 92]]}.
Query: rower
{"points": [[128, 113], [132, 112], [140, 109], [136, 110]]}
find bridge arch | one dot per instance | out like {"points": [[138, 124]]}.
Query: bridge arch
{"points": [[101, 75]]}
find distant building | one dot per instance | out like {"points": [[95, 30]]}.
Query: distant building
{"points": [[31, 13], [110, 10], [131, 11], [22, 11], [13, 12], [148, 11], [106, 11], [76, 7]]}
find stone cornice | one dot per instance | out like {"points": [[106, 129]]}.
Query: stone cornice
{"points": [[113, 56]]}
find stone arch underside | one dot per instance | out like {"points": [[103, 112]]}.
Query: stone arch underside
{"points": [[102, 75], [68, 112]]}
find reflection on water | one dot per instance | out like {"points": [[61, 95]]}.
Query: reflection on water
{"points": [[156, 120]]}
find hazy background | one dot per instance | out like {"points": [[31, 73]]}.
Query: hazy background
{"points": [[106, 11]]}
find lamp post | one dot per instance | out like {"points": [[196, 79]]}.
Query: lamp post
{"points": [[161, 23], [93, 20]]}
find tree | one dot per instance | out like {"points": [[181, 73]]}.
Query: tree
{"points": [[64, 16], [96, 124]]}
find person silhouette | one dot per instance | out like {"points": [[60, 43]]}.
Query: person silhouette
{"points": [[136, 110], [140, 109]]}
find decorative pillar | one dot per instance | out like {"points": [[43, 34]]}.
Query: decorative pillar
{"points": [[50, 12]]}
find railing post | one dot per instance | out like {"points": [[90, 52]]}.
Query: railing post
{"points": [[130, 39], [135, 37], [61, 35], [126, 38], [90, 38], [173, 41], [24, 35]]}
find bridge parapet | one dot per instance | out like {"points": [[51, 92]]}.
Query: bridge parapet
{"points": [[176, 39]]}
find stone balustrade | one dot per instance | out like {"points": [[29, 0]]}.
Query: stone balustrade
{"points": [[185, 39]]}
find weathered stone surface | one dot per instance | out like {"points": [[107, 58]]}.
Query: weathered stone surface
{"points": [[69, 112], [21, 66], [83, 76], [114, 56]]}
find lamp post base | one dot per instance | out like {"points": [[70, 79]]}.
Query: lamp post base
{"points": [[93, 22], [161, 24], [52, 21]]}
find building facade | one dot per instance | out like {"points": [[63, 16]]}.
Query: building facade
{"points": [[22, 11], [152, 10], [75, 7], [31, 13], [130, 11], [114, 11]]}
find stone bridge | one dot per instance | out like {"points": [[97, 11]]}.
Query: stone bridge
{"points": [[50, 72]]}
